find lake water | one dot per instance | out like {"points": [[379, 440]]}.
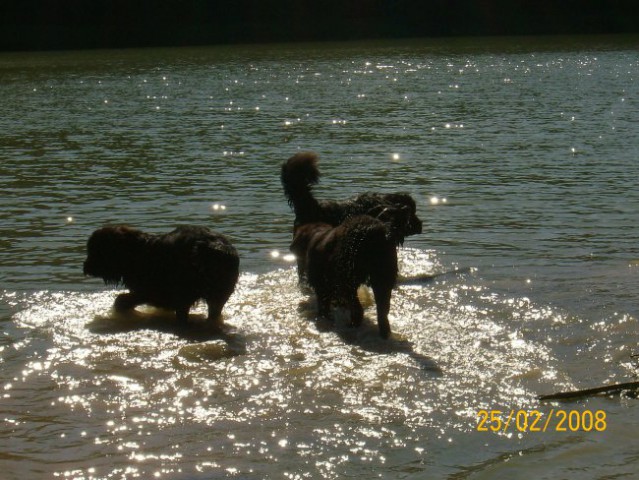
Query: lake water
{"points": [[522, 157]]}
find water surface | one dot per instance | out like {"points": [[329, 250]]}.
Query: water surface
{"points": [[521, 155]]}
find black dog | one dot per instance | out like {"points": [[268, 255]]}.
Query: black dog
{"points": [[300, 173], [340, 259], [172, 270]]}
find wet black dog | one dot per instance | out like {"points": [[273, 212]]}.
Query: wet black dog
{"points": [[300, 173], [339, 259], [172, 270]]}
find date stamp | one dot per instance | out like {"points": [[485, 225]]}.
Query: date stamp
{"points": [[504, 421]]}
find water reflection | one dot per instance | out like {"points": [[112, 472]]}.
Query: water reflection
{"points": [[278, 388], [365, 339], [197, 329], [490, 127]]}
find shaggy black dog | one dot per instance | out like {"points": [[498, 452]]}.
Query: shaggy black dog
{"points": [[339, 259], [300, 173], [172, 270]]}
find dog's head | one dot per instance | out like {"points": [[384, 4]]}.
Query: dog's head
{"points": [[412, 225], [110, 252], [399, 213]]}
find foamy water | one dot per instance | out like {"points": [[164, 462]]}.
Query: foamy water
{"points": [[280, 393]]}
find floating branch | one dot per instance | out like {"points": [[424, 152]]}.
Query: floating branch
{"points": [[608, 390], [425, 277]]}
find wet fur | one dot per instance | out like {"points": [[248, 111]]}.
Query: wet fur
{"points": [[172, 270], [337, 260], [300, 173]]}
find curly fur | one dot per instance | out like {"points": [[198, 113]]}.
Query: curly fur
{"points": [[300, 173], [172, 270], [337, 260]]}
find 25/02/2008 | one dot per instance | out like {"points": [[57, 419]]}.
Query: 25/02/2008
{"points": [[537, 421]]}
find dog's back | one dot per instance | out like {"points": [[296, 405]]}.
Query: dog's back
{"points": [[199, 260]]}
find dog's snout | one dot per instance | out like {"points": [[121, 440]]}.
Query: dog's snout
{"points": [[417, 225]]}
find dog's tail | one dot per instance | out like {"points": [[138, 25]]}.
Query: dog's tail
{"points": [[299, 174]]}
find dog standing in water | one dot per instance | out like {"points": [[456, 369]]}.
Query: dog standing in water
{"points": [[172, 270], [300, 172], [337, 260]]}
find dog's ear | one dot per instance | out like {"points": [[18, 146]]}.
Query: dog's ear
{"points": [[396, 220]]}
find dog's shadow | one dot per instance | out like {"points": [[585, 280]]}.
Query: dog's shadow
{"points": [[367, 337], [196, 330]]}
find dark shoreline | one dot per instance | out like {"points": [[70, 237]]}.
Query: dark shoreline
{"points": [[90, 24]]}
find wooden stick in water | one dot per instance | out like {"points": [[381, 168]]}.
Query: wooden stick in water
{"points": [[608, 389], [426, 277]]}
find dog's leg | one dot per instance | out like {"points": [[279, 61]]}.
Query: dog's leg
{"points": [[216, 299], [323, 303], [126, 301], [382, 301], [357, 312], [182, 314], [301, 271], [215, 314], [300, 254], [324, 307]]}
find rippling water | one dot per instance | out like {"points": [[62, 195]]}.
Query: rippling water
{"points": [[522, 156]]}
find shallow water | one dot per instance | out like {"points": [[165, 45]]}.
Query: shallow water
{"points": [[521, 155]]}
